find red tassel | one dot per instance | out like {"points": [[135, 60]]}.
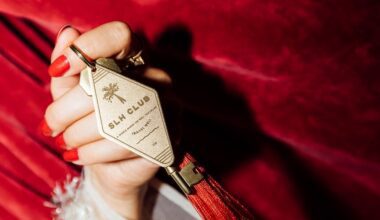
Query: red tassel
{"points": [[211, 200]]}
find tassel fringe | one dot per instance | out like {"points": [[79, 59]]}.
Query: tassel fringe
{"points": [[212, 201]]}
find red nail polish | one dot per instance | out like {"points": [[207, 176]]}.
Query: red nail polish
{"points": [[71, 155], [44, 128], [61, 30], [60, 141], [59, 66]]}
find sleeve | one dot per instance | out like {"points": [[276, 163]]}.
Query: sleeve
{"points": [[77, 198]]}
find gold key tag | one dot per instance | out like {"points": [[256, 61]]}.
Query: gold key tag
{"points": [[84, 80], [128, 113]]}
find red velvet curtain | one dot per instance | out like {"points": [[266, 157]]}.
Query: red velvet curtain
{"points": [[305, 132]]}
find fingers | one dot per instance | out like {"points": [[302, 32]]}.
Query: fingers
{"points": [[60, 86], [100, 151], [106, 40], [65, 38], [84, 134], [72, 110], [80, 133], [72, 106], [158, 75]]}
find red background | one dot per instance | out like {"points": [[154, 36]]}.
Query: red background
{"points": [[281, 98]]}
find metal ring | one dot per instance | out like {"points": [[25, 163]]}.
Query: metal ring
{"points": [[81, 56], [136, 47], [134, 58]]}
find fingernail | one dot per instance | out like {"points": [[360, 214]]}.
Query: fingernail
{"points": [[61, 30], [59, 66], [71, 155], [60, 141], [45, 129]]}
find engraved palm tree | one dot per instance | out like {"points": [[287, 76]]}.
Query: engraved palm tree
{"points": [[110, 92]]}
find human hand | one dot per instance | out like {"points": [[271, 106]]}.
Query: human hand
{"points": [[119, 175]]}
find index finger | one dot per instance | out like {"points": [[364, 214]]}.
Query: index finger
{"points": [[103, 41], [59, 86]]}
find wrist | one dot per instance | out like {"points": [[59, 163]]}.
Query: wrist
{"points": [[128, 203]]}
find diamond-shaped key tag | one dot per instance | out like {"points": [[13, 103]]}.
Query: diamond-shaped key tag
{"points": [[84, 80], [129, 113]]}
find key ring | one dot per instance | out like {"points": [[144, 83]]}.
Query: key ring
{"points": [[133, 60], [82, 56]]}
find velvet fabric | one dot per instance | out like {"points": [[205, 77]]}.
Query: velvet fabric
{"points": [[280, 98]]}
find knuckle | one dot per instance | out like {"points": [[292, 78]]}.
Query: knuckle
{"points": [[90, 47], [122, 32], [53, 116], [70, 137]]}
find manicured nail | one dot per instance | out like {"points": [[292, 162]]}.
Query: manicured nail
{"points": [[61, 30], [45, 129], [60, 141], [71, 155], [59, 66]]}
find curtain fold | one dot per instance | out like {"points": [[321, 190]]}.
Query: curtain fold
{"points": [[298, 140]]}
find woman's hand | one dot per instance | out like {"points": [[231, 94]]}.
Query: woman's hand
{"points": [[118, 174]]}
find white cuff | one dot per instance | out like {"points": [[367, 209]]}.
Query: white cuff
{"points": [[78, 199]]}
